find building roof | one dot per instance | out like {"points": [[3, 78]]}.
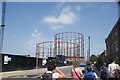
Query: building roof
{"points": [[118, 21]]}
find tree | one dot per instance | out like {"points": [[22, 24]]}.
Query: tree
{"points": [[93, 58]]}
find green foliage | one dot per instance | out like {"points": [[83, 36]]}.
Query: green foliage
{"points": [[99, 62], [93, 58]]}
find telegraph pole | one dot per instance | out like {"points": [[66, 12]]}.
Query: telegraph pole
{"points": [[37, 55], [89, 48], [2, 25]]}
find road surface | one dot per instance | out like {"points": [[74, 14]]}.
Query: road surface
{"points": [[33, 73], [37, 73], [65, 70]]}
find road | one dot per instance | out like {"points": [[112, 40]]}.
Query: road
{"points": [[34, 73], [37, 73], [65, 70]]}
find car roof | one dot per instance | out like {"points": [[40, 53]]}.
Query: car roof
{"points": [[82, 64]]}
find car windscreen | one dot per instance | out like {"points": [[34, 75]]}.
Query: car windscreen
{"points": [[82, 65]]}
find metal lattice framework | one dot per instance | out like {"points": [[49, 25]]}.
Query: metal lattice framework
{"points": [[69, 44], [69, 37], [47, 49]]}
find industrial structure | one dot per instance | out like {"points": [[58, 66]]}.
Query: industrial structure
{"points": [[69, 44]]}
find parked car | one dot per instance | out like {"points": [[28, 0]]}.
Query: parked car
{"points": [[83, 67]]}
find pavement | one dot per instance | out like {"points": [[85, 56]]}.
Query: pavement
{"points": [[11, 74]]}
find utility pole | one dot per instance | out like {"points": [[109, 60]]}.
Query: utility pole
{"points": [[89, 48], [37, 55], [2, 25], [87, 56]]}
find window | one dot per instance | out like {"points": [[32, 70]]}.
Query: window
{"points": [[115, 33], [113, 48], [116, 46]]}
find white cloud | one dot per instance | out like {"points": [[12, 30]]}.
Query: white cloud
{"points": [[50, 19], [35, 37], [59, 5], [78, 8], [35, 30], [68, 15]]}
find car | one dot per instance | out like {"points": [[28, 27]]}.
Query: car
{"points": [[83, 67]]}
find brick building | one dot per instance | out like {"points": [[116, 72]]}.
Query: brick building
{"points": [[113, 42]]}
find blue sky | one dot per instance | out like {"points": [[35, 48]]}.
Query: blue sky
{"points": [[28, 23]]}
